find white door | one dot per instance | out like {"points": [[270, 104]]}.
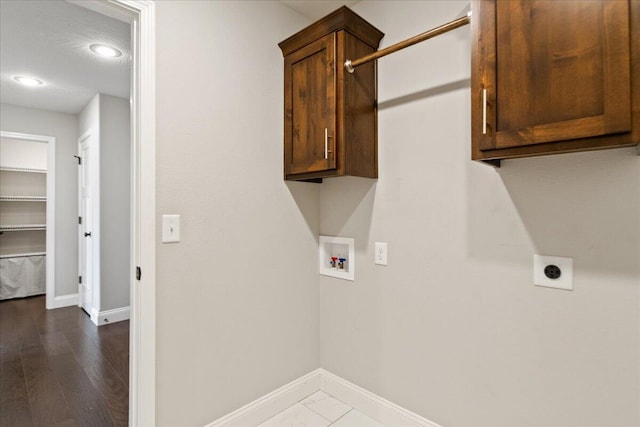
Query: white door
{"points": [[86, 224]]}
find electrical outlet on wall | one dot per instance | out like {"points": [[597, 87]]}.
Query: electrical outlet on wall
{"points": [[553, 272], [380, 253]]}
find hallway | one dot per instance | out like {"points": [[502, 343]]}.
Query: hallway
{"points": [[58, 369]]}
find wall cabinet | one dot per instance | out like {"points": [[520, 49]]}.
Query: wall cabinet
{"points": [[330, 116], [554, 76]]}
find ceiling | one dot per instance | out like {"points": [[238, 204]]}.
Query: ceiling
{"points": [[316, 9], [50, 40]]}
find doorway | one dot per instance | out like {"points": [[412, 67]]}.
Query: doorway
{"points": [[142, 384], [27, 191], [141, 16]]}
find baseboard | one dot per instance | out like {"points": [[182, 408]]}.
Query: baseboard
{"points": [[371, 404], [364, 401], [271, 404], [65, 301], [112, 316], [94, 316]]}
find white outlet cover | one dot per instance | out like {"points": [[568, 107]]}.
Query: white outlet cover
{"points": [[565, 281], [380, 255]]}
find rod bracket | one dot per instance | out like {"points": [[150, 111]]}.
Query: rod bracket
{"points": [[347, 66]]}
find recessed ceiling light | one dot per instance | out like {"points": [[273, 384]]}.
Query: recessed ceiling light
{"points": [[104, 50], [28, 81]]}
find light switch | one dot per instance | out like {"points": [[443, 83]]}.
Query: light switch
{"points": [[170, 228]]}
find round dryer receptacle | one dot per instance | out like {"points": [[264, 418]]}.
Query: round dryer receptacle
{"points": [[552, 271]]}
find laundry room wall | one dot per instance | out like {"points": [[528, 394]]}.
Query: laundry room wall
{"points": [[453, 328], [237, 308]]}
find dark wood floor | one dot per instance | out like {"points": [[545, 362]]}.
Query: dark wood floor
{"points": [[58, 369]]}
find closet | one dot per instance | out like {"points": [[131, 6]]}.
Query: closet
{"points": [[23, 217]]}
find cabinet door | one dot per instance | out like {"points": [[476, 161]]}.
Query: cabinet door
{"points": [[310, 104], [552, 71]]}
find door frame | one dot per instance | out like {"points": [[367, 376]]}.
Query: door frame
{"points": [[142, 338], [50, 247]]}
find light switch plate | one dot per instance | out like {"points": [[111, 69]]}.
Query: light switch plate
{"points": [[559, 268], [170, 228]]}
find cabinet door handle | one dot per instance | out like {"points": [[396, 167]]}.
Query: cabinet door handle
{"points": [[326, 143], [484, 111]]}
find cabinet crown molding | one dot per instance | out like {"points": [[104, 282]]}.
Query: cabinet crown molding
{"points": [[340, 19]]}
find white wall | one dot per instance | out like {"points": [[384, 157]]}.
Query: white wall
{"points": [[89, 117], [21, 153], [115, 204], [237, 312], [453, 328], [64, 128]]}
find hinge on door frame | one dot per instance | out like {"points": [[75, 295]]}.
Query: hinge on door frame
{"points": [[79, 159], [79, 220], [138, 273], [80, 279]]}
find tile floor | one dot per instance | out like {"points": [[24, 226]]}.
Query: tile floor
{"points": [[320, 410]]}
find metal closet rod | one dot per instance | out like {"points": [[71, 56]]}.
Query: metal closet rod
{"points": [[350, 66]]}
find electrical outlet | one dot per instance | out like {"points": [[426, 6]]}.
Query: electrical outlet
{"points": [[381, 253], [553, 272]]}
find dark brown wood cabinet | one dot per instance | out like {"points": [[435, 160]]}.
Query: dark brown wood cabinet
{"points": [[330, 116], [554, 76]]}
